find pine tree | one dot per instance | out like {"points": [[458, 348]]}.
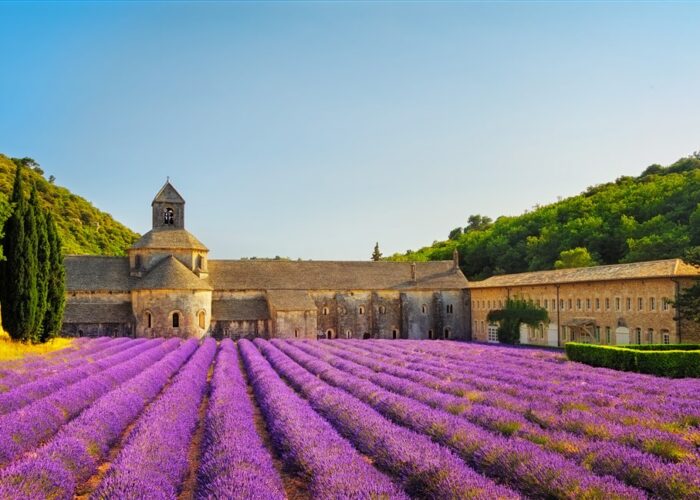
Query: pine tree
{"points": [[376, 254], [55, 300], [43, 254], [18, 289]]}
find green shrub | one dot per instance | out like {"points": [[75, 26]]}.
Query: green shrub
{"points": [[662, 347], [667, 362]]}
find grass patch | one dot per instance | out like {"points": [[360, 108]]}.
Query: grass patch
{"points": [[9, 349]]}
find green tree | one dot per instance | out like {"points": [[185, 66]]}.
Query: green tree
{"points": [[576, 257], [376, 254], [43, 261], [18, 291], [515, 313], [56, 290], [478, 223], [688, 302], [455, 233]]}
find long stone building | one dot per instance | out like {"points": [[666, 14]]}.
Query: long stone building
{"points": [[167, 286], [615, 304]]}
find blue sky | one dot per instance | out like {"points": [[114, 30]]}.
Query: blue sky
{"points": [[313, 130]]}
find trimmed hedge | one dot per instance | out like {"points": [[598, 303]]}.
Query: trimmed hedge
{"points": [[675, 363], [662, 347]]}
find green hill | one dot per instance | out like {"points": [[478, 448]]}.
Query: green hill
{"points": [[653, 216], [84, 229]]}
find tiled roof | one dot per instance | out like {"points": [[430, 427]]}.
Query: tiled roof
{"points": [[169, 239], [84, 312], [92, 272], [290, 300], [112, 273], [670, 268], [168, 194], [240, 309], [332, 275], [170, 274]]}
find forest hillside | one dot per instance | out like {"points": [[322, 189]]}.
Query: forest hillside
{"points": [[653, 216], [83, 228]]}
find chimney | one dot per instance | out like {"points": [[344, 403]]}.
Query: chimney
{"points": [[455, 259], [413, 272]]}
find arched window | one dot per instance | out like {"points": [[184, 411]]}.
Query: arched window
{"points": [[329, 334], [424, 309], [325, 311], [449, 308], [348, 334], [650, 338], [149, 319], [382, 309], [447, 333], [176, 320], [201, 317], [168, 216], [296, 333], [362, 310], [394, 333], [430, 334]]}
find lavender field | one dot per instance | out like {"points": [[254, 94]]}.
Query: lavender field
{"points": [[165, 418]]}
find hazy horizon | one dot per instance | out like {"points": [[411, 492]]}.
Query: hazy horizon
{"points": [[312, 130]]}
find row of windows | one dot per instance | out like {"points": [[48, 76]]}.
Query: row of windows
{"points": [[606, 335], [637, 336], [449, 309], [588, 304], [175, 319], [330, 333]]}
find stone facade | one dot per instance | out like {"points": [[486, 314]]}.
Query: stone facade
{"points": [[620, 304], [167, 286]]}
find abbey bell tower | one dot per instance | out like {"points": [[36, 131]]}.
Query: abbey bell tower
{"points": [[168, 209]]}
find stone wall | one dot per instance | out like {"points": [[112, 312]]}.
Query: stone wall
{"points": [[163, 304], [622, 308]]}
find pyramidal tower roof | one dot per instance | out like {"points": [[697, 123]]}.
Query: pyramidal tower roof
{"points": [[171, 274], [168, 194]]}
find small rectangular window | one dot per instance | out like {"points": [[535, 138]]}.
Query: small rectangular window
{"points": [[607, 335], [652, 304], [570, 305], [664, 304], [561, 304], [607, 303], [617, 304], [578, 304], [546, 303], [588, 304], [597, 304], [629, 303], [640, 304]]}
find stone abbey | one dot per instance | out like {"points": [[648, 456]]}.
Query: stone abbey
{"points": [[167, 286]]}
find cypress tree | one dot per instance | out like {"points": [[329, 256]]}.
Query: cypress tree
{"points": [[56, 298], [43, 254], [31, 233], [18, 290]]}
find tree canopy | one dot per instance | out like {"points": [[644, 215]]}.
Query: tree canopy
{"points": [[82, 228], [688, 302], [515, 312], [653, 216], [576, 257]]}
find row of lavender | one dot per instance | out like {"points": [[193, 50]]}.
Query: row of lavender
{"points": [[439, 420], [429, 403]]}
